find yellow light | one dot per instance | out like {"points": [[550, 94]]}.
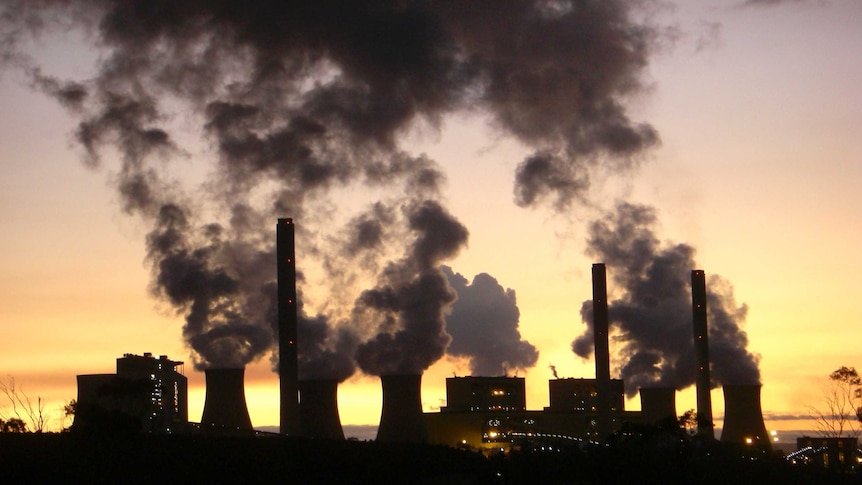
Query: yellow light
{"points": [[492, 434], [748, 440]]}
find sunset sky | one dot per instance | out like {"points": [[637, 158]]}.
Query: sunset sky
{"points": [[758, 107]]}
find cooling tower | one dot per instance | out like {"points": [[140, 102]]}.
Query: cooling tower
{"points": [[602, 352], [743, 418], [658, 404], [224, 405], [401, 419], [288, 367], [318, 409], [705, 425]]}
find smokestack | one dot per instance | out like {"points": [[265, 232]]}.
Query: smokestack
{"points": [[401, 419], [288, 366], [743, 417], [602, 351], [705, 425], [318, 409], [658, 404], [224, 405]]}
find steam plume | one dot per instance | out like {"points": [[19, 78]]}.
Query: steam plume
{"points": [[651, 320], [287, 103], [409, 302], [325, 349], [483, 324]]}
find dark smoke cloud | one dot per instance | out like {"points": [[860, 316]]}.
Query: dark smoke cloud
{"points": [[483, 323], [651, 322], [325, 349], [222, 308], [408, 305], [70, 94], [298, 100]]}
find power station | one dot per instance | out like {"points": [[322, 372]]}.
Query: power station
{"points": [[484, 412]]}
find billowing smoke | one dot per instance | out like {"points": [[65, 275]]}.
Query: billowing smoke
{"points": [[483, 324], [651, 322], [198, 271], [325, 350], [408, 304], [287, 103]]}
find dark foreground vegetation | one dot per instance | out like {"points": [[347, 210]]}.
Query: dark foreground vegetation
{"points": [[75, 458]]}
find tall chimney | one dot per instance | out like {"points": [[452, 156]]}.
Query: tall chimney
{"points": [[604, 423], [401, 419], [658, 404], [318, 409], [224, 405], [743, 417], [705, 426], [288, 367]]}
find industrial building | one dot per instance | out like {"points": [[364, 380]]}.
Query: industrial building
{"points": [[490, 413], [146, 393], [466, 394], [828, 452]]}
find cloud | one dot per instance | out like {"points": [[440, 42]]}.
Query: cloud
{"points": [[483, 323]]}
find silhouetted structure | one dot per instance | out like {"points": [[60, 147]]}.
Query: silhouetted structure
{"points": [[705, 426], [602, 351], [146, 394], [658, 404], [743, 417], [401, 419], [489, 413], [288, 365], [828, 452], [224, 406], [465, 394], [571, 394], [318, 409]]}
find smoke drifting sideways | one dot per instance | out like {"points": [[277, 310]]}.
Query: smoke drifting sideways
{"points": [[483, 323], [651, 322], [277, 83], [299, 100]]}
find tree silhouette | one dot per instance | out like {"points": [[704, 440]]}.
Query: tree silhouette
{"points": [[841, 413], [23, 408], [689, 421], [13, 425]]}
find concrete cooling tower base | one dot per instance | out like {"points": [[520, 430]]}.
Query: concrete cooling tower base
{"points": [[224, 406], [318, 410], [401, 419]]}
